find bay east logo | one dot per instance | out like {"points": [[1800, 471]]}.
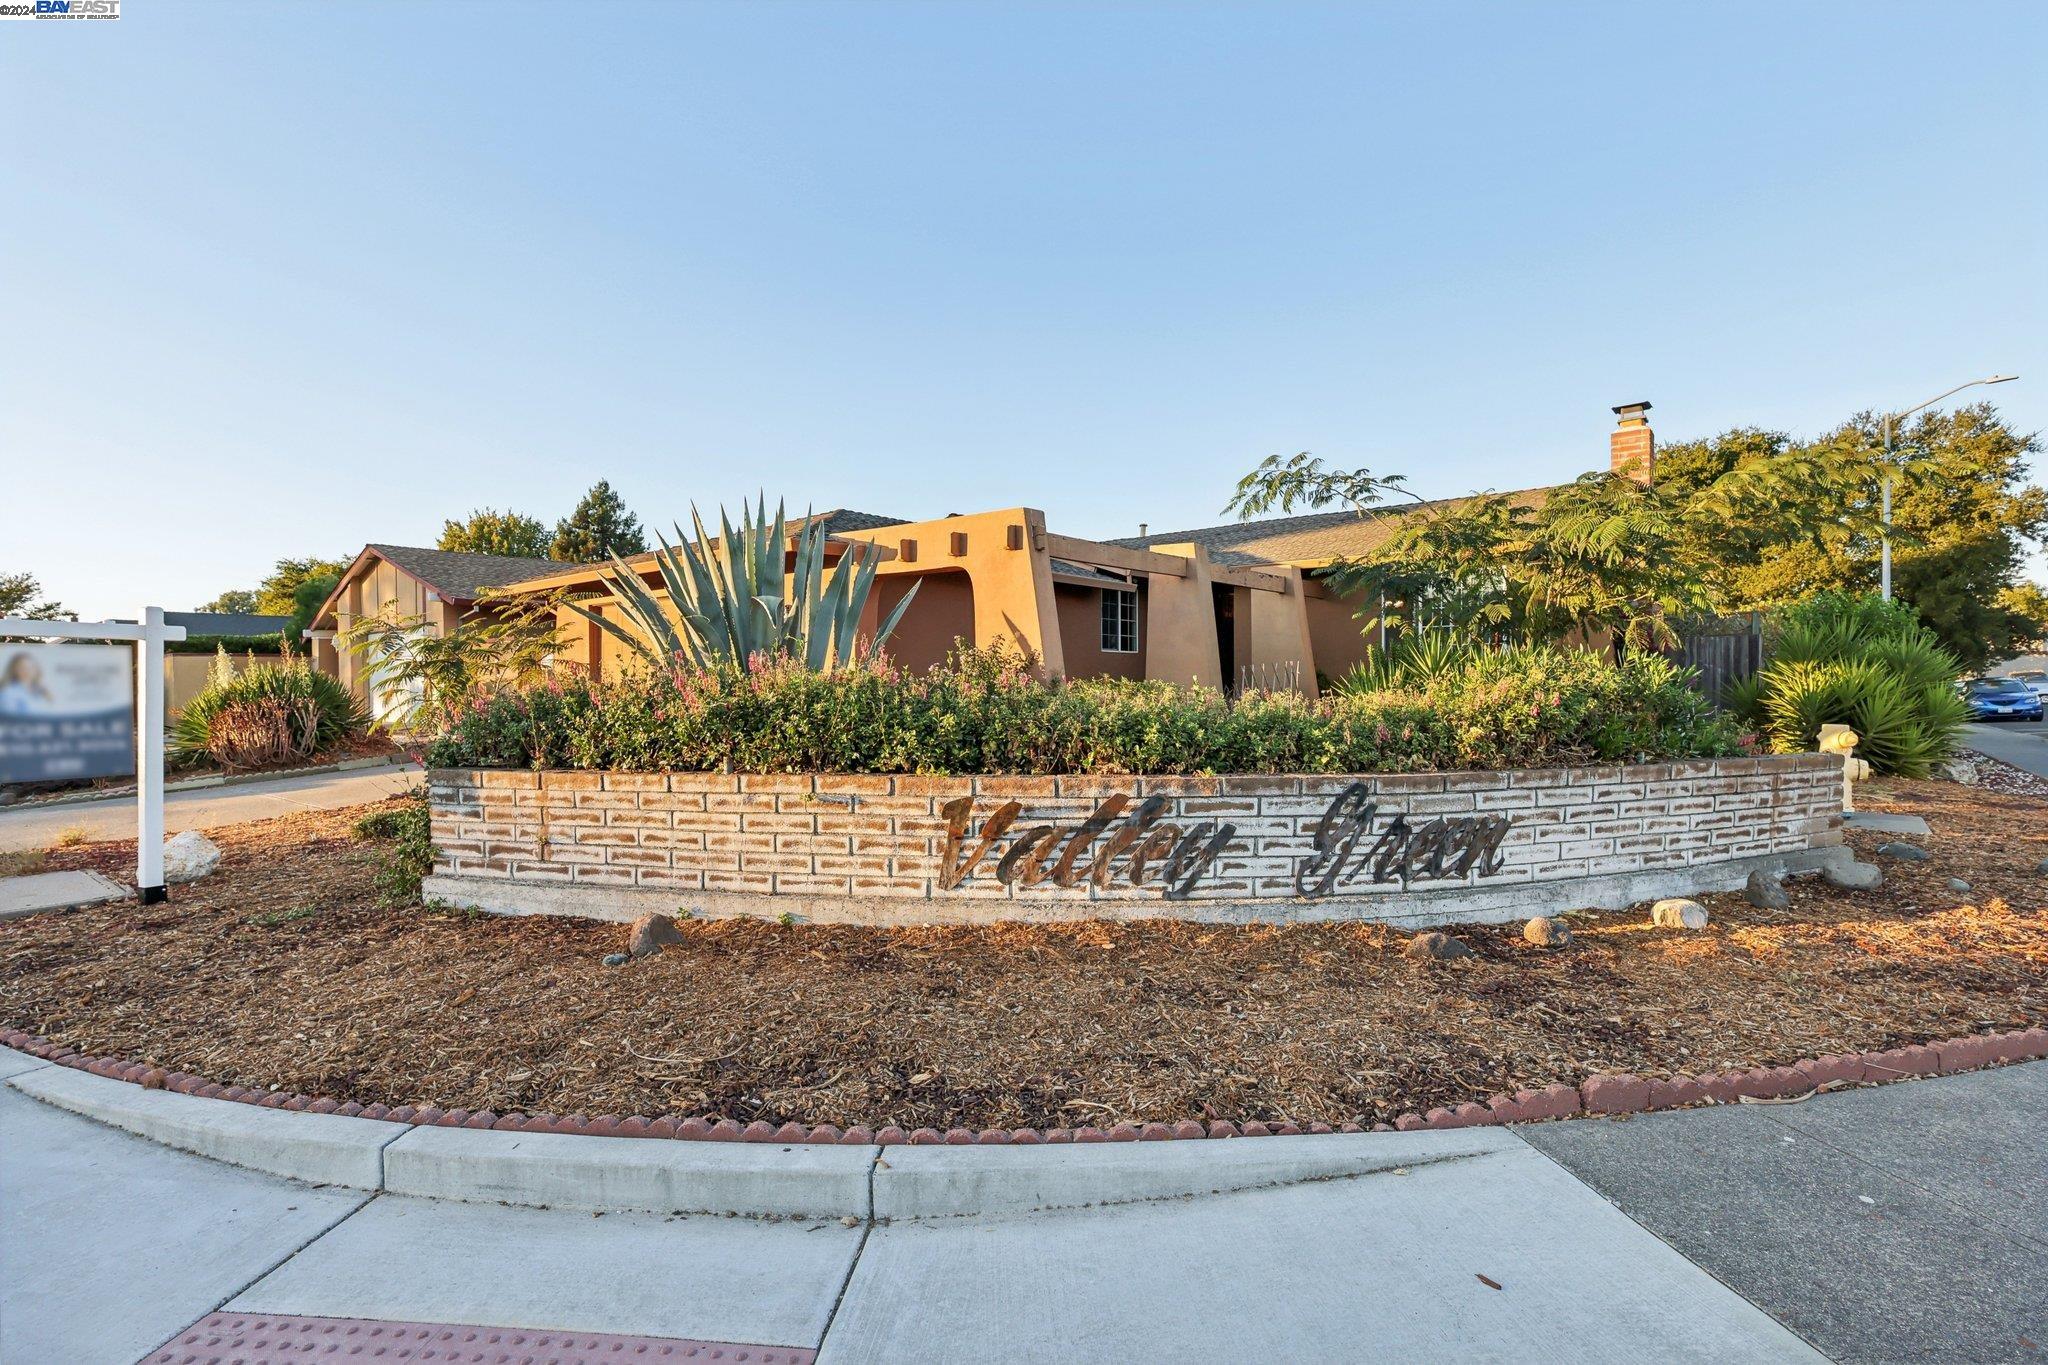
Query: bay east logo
{"points": [[62, 9]]}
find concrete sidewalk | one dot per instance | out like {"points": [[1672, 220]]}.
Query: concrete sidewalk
{"points": [[1893, 1224], [1889, 1224], [31, 827]]}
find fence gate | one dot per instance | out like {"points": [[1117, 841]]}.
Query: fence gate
{"points": [[1723, 649]]}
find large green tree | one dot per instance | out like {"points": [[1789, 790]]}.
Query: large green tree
{"points": [[491, 532], [1963, 518], [21, 596], [599, 528], [277, 594], [1743, 520]]}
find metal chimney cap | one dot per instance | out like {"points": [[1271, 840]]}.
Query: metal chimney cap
{"points": [[1631, 409]]}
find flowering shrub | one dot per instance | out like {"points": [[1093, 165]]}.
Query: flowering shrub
{"points": [[987, 714]]}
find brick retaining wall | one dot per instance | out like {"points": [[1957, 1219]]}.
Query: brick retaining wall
{"points": [[1418, 848]]}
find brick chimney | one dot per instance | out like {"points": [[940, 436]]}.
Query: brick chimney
{"points": [[1632, 447]]}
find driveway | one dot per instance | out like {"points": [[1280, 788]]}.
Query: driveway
{"points": [[29, 827]]}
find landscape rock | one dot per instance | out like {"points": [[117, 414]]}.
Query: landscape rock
{"points": [[1957, 770], [1904, 852], [1678, 913], [188, 857], [2041, 866], [1545, 932], [1855, 876], [650, 934], [1434, 946], [1958, 884], [1766, 892], [615, 959]]}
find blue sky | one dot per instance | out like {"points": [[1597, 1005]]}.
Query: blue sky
{"points": [[286, 278]]}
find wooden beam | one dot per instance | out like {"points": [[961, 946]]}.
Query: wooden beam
{"points": [[1114, 556]]}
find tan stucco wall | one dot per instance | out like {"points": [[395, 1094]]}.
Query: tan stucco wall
{"points": [[1080, 618], [1334, 637], [942, 615]]}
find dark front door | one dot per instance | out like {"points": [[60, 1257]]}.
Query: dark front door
{"points": [[1226, 634]]}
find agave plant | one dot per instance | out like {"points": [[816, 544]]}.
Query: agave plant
{"points": [[730, 606]]}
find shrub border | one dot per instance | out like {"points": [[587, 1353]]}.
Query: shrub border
{"points": [[1601, 1095]]}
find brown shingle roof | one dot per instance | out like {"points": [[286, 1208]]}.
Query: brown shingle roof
{"points": [[461, 577], [1318, 536]]}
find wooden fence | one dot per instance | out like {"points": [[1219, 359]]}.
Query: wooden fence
{"points": [[1724, 649]]}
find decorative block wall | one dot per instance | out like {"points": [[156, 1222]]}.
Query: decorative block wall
{"points": [[1073, 842]]}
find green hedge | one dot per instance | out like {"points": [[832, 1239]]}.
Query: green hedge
{"points": [[271, 644], [1522, 708]]}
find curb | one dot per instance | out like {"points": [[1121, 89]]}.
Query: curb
{"points": [[212, 780], [855, 1174], [1599, 1095]]}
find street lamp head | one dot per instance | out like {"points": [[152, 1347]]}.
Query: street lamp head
{"points": [[2001, 379]]}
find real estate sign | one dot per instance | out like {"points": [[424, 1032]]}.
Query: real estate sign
{"points": [[66, 711]]}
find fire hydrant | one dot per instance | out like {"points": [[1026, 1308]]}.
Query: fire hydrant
{"points": [[1840, 739]]}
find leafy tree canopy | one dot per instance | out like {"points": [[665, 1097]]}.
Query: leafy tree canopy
{"points": [[491, 532], [306, 600], [19, 594], [277, 595], [1744, 520], [237, 600], [599, 528]]}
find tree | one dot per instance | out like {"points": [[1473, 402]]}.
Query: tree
{"points": [[599, 528], [2027, 602], [18, 594], [1963, 516], [491, 532], [277, 595], [239, 601], [1602, 558], [306, 600], [1745, 520]]}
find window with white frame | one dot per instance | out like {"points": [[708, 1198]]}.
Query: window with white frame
{"points": [[1119, 620]]}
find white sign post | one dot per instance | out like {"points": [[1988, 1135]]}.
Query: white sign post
{"points": [[150, 637]]}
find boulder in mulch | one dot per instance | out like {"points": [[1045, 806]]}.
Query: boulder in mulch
{"points": [[1957, 770], [650, 934], [1545, 932], [1434, 946], [1904, 852], [1766, 892], [2041, 866], [1958, 884], [188, 857], [615, 959], [1854, 876], [1678, 913]]}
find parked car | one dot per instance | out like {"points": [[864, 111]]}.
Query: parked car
{"points": [[2002, 699], [2036, 679]]}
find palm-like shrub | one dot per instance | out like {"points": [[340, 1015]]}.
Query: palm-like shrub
{"points": [[1861, 662], [1410, 662], [267, 713], [734, 606]]}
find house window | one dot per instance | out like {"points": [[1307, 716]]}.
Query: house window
{"points": [[1119, 621]]}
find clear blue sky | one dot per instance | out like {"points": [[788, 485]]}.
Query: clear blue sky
{"points": [[286, 278]]}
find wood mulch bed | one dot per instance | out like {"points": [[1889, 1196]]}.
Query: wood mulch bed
{"points": [[281, 970]]}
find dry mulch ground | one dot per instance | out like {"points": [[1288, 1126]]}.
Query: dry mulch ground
{"points": [[281, 970]]}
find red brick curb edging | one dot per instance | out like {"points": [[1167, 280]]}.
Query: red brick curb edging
{"points": [[1599, 1095]]}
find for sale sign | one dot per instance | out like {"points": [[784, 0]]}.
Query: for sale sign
{"points": [[66, 711]]}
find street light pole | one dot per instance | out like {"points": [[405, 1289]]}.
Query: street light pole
{"points": [[1885, 504]]}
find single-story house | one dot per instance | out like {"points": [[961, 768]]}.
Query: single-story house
{"points": [[438, 587], [1225, 606]]}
